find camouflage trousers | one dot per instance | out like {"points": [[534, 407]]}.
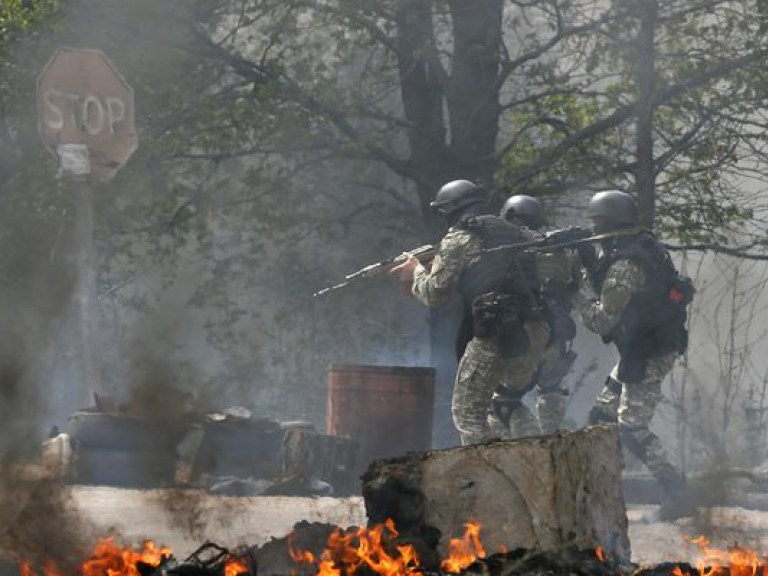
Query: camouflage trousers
{"points": [[633, 405], [551, 396], [482, 369]]}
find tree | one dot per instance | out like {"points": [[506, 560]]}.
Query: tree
{"points": [[272, 130]]}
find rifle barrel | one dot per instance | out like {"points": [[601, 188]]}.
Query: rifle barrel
{"points": [[424, 253]]}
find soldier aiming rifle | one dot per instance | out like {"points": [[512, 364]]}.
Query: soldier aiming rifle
{"points": [[501, 296]]}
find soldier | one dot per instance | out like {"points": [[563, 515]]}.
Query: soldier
{"points": [[500, 291], [551, 396], [641, 308]]}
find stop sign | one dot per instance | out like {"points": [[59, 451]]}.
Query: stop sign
{"points": [[82, 99]]}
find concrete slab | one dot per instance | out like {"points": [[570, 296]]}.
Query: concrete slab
{"points": [[183, 520]]}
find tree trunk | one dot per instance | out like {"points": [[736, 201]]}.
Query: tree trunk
{"points": [[473, 93], [645, 175], [422, 97]]}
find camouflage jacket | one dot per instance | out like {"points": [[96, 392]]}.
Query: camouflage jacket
{"points": [[457, 250], [623, 279]]}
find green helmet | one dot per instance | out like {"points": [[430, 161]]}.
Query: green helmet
{"points": [[525, 208], [456, 196], [615, 208]]}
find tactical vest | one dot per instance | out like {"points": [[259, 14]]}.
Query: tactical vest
{"points": [[505, 271], [653, 322]]}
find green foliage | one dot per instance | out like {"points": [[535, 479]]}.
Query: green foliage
{"points": [[282, 144]]}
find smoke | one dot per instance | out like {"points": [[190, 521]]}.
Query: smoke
{"points": [[36, 516], [42, 525]]}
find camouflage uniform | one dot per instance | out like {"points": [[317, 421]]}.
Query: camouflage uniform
{"points": [[560, 268], [551, 395], [482, 367], [632, 404]]}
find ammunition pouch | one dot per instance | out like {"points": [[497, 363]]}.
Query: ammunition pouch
{"points": [[491, 311], [501, 316]]}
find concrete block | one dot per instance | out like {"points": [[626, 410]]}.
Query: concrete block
{"points": [[546, 493]]}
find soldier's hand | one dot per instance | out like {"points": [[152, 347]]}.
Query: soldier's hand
{"points": [[406, 270]]}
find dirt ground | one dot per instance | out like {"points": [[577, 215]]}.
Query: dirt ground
{"points": [[654, 541]]}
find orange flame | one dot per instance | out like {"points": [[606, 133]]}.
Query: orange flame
{"points": [[465, 550], [736, 560], [600, 553], [109, 559], [236, 566], [25, 569], [345, 553]]}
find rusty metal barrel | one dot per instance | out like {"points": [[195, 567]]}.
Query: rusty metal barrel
{"points": [[385, 410]]}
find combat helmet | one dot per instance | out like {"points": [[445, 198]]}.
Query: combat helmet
{"points": [[455, 197], [612, 209], [526, 209]]}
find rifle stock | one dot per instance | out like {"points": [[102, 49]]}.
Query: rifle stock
{"points": [[424, 254]]}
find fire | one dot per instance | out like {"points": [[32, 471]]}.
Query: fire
{"points": [[600, 553], [374, 549], [235, 566], [368, 547], [465, 550], [735, 560], [109, 559]]}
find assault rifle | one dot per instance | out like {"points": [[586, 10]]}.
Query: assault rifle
{"points": [[424, 254], [573, 236]]}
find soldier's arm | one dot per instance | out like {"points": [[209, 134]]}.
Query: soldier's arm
{"points": [[622, 281], [435, 285]]}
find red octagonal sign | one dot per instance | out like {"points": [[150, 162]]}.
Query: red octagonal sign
{"points": [[82, 99]]}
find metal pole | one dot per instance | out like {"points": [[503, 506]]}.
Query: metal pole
{"points": [[75, 166], [86, 282]]}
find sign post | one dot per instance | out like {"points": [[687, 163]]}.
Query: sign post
{"points": [[86, 120]]}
